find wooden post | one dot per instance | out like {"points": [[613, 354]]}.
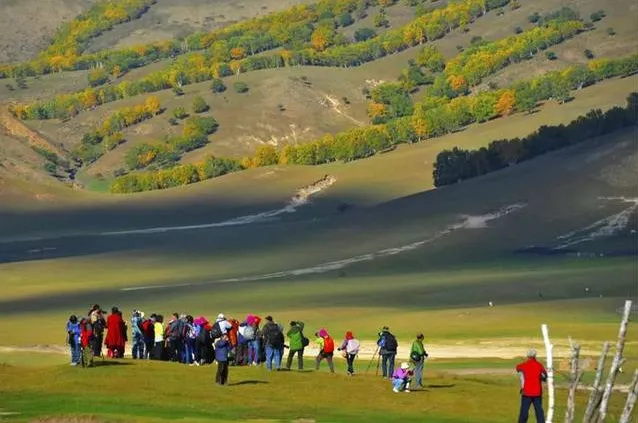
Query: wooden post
{"points": [[631, 399], [611, 378], [596, 394], [549, 348], [575, 375]]}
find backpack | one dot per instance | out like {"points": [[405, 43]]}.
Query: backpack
{"points": [[203, 336], [98, 327], [147, 329], [390, 342], [304, 341], [232, 333], [278, 339], [249, 333], [328, 345], [216, 331]]}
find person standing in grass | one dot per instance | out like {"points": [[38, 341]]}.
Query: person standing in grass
{"points": [[138, 336], [387, 350], [148, 331], [326, 349], [297, 344], [254, 346], [158, 349], [87, 339], [417, 356], [115, 337], [532, 375], [222, 348], [73, 338], [273, 342], [350, 348]]}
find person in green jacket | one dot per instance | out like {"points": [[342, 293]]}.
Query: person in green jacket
{"points": [[417, 356], [296, 344]]}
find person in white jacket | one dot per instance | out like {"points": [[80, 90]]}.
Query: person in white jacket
{"points": [[350, 348]]}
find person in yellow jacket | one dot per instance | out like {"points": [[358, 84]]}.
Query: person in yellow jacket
{"points": [[158, 329]]}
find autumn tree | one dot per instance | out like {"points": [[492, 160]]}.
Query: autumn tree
{"points": [[506, 103], [152, 105]]}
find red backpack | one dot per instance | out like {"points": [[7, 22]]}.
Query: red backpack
{"points": [[328, 345], [232, 333]]}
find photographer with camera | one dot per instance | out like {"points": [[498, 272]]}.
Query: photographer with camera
{"points": [[387, 351], [418, 356]]}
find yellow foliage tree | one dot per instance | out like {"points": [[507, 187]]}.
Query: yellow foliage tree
{"points": [[321, 38], [116, 72], [237, 53], [235, 66], [457, 82], [152, 105], [506, 102], [376, 110]]}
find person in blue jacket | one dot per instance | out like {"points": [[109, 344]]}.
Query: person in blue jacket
{"points": [[222, 348], [73, 339]]}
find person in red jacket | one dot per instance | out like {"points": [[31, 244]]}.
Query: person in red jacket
{"points": [[533, 375], [116, 335], [87, 339]]}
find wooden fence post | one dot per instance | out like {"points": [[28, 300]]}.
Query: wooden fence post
{"points": [[575, 375], [596, 394], [549, 348], [631, 399], [615, 365]]}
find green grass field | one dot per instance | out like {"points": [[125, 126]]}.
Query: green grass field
{"points": [[282, 397]]}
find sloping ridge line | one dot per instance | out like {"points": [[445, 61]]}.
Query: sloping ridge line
{"points": [[14, 127]]}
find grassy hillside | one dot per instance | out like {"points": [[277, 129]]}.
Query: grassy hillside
{"points": [[27, 27]]}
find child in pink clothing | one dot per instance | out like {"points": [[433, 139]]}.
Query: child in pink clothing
{"points": [[401, 378]]}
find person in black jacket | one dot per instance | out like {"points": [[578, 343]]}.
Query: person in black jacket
{"points": [[387, 351], [274, 343]]}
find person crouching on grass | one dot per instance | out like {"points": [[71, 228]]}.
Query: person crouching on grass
{"points": [[401, 378], [533, 375], [222, 348]]}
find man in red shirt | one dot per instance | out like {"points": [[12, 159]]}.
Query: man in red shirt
{"points": [[532, 375]]}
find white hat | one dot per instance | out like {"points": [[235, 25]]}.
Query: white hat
{"points": [[405, 366], [531, 353], [142, 314], [221, 316]]}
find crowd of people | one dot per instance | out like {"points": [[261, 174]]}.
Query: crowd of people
{"points": [[199, 341], [227, 341]]}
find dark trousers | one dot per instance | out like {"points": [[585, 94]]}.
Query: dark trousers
{"points": [[328, 357], [222, 373], [148, 349], [291, 354], [175, 350], [97, 345], [350, 359], [387, 364], [538, 409], [158, 351]]}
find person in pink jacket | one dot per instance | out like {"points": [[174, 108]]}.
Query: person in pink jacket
{"points": [[401, 378]]}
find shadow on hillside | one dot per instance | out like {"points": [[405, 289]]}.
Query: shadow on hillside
{"points": [[440, 386], [99, 362], [248, 382]]}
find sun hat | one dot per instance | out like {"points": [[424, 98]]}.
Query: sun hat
{"points": [[405, 366], [221, 316]]}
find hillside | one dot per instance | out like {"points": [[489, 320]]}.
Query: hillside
{"points": [[289, 106]]}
